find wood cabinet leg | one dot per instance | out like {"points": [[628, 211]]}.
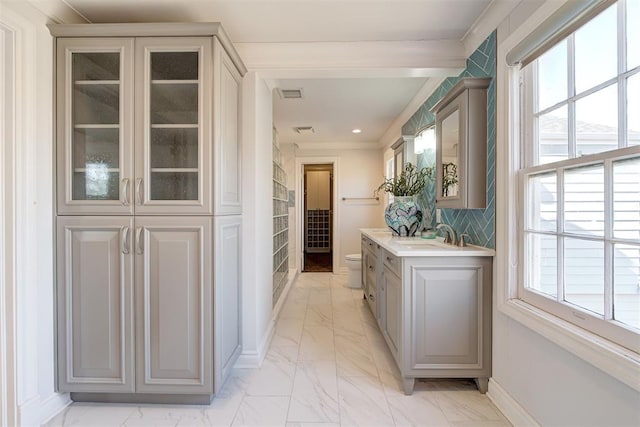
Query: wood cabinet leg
{"points": [[408, 384], [483, 384]]}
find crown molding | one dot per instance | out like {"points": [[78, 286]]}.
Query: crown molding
{"points": [[389, 58], [336, 145], [487, 22]]}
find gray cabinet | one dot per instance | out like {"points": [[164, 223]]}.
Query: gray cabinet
{"points": [[435, 315], [461, 145], [147, 132], [173, 296], [95, 304]]}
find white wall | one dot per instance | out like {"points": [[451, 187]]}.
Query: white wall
{"points": [[257, 240], [37, 399], [359, 173], [555, 387]]}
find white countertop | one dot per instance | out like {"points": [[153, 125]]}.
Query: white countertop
{"points": [[419, 247]]}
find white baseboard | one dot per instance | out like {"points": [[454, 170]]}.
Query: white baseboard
{"points": [[38, 411], [342, 270], [511, 409], [254, 359]]}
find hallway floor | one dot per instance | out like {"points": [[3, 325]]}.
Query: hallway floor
{"points": [[327, 365]]}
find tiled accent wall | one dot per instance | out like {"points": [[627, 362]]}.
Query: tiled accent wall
{"points": [[478, 223], [318, 233]]}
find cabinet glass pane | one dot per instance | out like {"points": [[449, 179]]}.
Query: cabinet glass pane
{"points": [[174, 103], [96, 104], [96, 66], [96, 122], [96, 183], [174, 148], [93, 147], [174, 186], [174, 66]]}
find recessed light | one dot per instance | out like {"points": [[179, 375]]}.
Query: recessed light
{"points": [[356, 131]]}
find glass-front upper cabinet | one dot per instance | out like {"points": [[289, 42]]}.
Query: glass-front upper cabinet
{"points": [[461, 145], [94, 132], [173, 159]]}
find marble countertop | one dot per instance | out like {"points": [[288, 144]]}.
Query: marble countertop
{"points": [[419, 247]]}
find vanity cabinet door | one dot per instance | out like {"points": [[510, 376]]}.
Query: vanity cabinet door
{"points": [[173, 301], [95, 297], [451, 316], [392, 317]]}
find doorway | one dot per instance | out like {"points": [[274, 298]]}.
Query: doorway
{"points": [[318, 218]]}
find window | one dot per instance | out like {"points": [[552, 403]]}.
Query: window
{"points": [[580, 177]]}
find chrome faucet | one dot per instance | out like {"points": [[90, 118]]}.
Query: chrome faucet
{"points": [[450, 233]]}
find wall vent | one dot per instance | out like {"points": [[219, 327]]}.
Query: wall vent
{"points": [[304, 130], [290, 93]]}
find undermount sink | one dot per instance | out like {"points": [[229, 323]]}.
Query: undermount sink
{"points": [[423, 244]]}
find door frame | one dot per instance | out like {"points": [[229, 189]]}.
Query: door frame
{"points": [[300, 163], [8, 281]]}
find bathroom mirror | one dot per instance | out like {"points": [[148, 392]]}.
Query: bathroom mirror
{"points": [[449, 154], [461, 145]]}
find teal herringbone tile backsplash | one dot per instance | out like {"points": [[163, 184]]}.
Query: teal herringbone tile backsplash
{"points": [[478, 223]]}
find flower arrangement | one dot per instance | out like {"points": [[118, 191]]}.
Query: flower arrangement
{"points": [[411, 181]]}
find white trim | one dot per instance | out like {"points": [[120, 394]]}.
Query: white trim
{"points": [[300, 162], [487, 22], [8, 286], [511, 409], [617, 362]]}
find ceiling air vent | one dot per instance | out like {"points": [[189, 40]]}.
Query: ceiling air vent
{"points": [[290, 93], [304, 130]]}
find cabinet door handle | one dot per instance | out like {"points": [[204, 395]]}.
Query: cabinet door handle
{"points": [[124, 240], [139, 247], [124, 188], [138, 191], [372, 298], [390, 260]]}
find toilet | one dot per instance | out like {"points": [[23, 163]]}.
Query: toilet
{"points": [[354, 262]]}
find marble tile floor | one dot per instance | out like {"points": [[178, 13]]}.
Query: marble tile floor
{"points": [[327, 365]]}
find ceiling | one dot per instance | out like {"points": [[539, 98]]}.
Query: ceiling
{"points": [[332, 106]]}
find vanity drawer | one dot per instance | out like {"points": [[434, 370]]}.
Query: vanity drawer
{"points": [[392, 262], [368, 243]]}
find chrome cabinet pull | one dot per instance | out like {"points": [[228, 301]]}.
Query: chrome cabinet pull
{"points": [[124, 188], [124, 240], [139, 247], [138, 191]]}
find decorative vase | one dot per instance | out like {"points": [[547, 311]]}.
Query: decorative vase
{"points": [[403, 216]]}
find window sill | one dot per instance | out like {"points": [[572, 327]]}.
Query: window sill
{"points": [[617, 361]]}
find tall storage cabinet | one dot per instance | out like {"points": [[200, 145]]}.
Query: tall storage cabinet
{"points": [[148, 210]]}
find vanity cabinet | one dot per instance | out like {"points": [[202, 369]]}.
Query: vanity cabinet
{"points": [[434, 313], [461, 145], [148, 184]]}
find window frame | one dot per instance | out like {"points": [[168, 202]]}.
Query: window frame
{"points": [[615, 360]]}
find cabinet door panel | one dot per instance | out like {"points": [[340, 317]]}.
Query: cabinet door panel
{"points": [[173, 290], [94, 126], [228, 198], [227, 322], [448, 316], [392, 309], [173, 126], [95, 325]]}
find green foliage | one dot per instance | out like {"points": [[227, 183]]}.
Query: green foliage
{"points": [[411, 181]]}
